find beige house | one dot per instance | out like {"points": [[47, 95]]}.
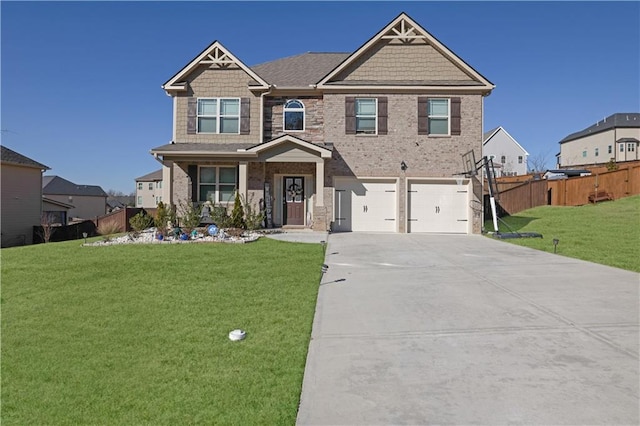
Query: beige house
{"points": [[370, 140], [616, 137], [149, 189], [88, 201], [20, 211]]}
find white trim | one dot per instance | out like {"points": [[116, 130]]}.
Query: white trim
{"points": [[375, 116], [439, 117], [324, 152], [175, 82], [403, 18], [278, 194], [217, 183], [218, 115]]}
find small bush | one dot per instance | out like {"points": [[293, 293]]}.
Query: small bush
{"points": [[220, 216], [253, 217], [141, 221], [237, 214], [189, 216], [163, 216]]}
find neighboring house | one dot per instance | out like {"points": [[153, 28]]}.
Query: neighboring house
{"points": [[365, 141], [88, 201], [509, 157], [55, 212], [615, 138], [149, 189], [21, 207]]}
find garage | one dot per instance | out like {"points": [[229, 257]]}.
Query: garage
{"points": [[365, 205], [438, 207]]}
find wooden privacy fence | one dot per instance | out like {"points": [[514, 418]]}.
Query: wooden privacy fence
{"points": [[574, 191], [121, 217]]}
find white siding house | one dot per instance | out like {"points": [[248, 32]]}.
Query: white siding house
{"points": [[509, 157]]}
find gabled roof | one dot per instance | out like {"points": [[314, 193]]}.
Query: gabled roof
{"points": [[57, 203], [618, 120], [491, 133], [406, 29], [55, 185], [9, 156], [150, 177], [324, 152], [300, 70], [214, 55]]}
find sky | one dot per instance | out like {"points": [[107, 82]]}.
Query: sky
{"points": [[81, 81]]}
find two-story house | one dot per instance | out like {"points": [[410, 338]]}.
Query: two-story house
{"points": [[616, 138], [509, 157], [84, 201], [149, 189], [365, 141]]}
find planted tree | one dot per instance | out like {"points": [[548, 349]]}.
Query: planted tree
{"points": [[237, 214]]}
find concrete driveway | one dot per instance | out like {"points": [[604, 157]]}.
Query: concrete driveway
{"points": [[441, 329]]}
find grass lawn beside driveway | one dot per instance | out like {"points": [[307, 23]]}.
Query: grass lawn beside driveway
{"points": [[607, 233], [138, 334]]}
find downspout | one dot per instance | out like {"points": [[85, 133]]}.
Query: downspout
{"points": [[271, 86]]}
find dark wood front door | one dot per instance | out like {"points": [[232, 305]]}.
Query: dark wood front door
{"points": [[294, 200]]}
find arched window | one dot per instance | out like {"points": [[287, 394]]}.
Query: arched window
{"points": [[294, 115]]}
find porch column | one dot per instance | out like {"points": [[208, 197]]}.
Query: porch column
{"points": [[167, 182], [243, 177], [320, 183]]}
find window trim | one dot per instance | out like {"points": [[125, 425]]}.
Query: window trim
{"points": [[448, 117], [286, 109], [375, 116], [217, 183], [218, 116]]}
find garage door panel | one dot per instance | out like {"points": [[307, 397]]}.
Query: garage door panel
{"points": [[437, 208], [363, 205]]}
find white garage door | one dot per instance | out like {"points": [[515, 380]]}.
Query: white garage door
{"points": [[365, 205], [438, 207]]}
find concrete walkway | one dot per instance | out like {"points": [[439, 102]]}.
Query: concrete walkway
{"points": [[435, 329]]}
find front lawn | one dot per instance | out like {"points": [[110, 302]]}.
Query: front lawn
{"points": [[138, 334], [606, 233]]}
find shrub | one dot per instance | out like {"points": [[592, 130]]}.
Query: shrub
{"points": [[253, 217], [141, 221], [611, 165], [237, 214], [163, 216], [189, 216], [220, 216]]}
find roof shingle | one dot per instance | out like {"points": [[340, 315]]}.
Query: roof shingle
{"points": [[10, 156]]}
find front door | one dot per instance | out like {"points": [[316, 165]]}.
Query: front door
{"points": [[294, 200]]}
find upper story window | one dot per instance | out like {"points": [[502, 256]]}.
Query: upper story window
{"points": [[293, 115], [219, 115], [503, 159], [597, 152], [439, 116], [139, 185], [584, 153], [150, 186], [519, 159], [159, 184], [216, 184], [609, 149], [366, 116]]}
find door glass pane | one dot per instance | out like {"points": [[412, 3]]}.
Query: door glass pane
{"points": [[298, 187], [207, 175], [227, 175], [229, 125], [207, 125]]}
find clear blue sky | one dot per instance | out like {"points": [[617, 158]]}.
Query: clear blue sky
{"points": [[81, 80]]}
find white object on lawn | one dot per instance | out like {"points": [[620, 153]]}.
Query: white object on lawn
{"points": [[237, 335]]}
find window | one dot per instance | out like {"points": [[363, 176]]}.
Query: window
{"points": [[621, 147], [159, 185], [631, 147], [219, 115], [438, 113], [520, 159], [139, 185], [597, 152], [294, 115], [140, 199], [150, 186], [158, 200], [366, 116], [217, 184], [584, 153], [609, 149], [503, 159]]}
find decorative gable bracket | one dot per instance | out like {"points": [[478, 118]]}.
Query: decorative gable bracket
{"points": [[403, 31]]}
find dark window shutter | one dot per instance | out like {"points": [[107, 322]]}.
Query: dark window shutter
{"points": [[192, 171], [455, 116], [350, 115], [423, 116], [245, 115], [382, 115], [192, 107]]}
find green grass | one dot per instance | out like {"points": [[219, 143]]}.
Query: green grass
{"points": [[138, 334], [607, 233]]}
